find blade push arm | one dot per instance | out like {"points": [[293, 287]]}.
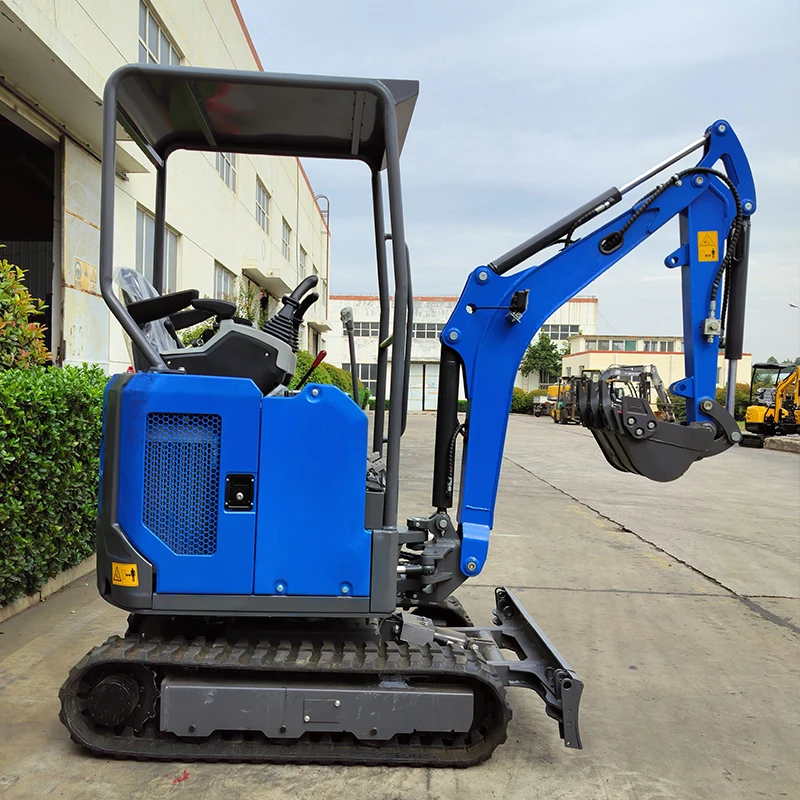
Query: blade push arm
{"points": [[490, 339]]}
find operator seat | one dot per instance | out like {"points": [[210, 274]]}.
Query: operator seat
{"points": [[234, 347]]}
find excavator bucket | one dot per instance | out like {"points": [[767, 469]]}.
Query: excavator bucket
{"points": [[634, 438]]}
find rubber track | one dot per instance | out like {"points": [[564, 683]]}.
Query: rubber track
{"points": [[436, 663]]}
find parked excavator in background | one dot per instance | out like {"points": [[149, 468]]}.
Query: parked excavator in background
{"points": [[775, 411]]}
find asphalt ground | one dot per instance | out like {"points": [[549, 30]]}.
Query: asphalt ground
{"points": [[678, 605]]}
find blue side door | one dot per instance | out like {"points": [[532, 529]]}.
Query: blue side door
{"points": [[311, 538], [181, 437]]}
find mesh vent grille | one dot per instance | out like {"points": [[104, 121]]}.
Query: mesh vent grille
{"points": [[181, 480]]}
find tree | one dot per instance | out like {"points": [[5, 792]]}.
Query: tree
{"points": [[542, 355], [772, 360]]}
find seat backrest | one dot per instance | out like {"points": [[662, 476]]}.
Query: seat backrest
{"points": [[134, 286]]}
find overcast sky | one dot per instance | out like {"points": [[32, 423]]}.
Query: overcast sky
{"points": [[528, 109]]}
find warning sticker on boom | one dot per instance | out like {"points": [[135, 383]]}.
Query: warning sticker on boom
{"points": [[707, 246], [124, 574]]}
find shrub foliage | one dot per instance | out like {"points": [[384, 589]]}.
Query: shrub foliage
{"points": [[21, 341], [50, 425]]}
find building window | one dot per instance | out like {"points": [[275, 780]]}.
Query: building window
{"points": [[603, 344], [591, 344], [313, 342], [155, 47], [426, 330], [630, 344], [363, 329], [145, 250], [286, 240], [262, 205], [561, 332], [367, 374], [660, 345], [224, 282], [226, 166], [617, 344], [302, 262]]}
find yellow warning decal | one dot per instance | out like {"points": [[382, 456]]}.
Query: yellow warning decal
{"points": [[707, 246], [124, 574]]}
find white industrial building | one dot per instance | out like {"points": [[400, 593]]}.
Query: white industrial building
{"points": [[592, 352], [579, 315], [229, 216]]}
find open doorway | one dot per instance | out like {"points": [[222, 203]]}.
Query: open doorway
{"points": [[27, 200]]}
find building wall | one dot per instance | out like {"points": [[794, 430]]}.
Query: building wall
{"points": [[670, 365], [430, 316], [78, 44]]}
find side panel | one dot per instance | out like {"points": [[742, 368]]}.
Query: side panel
{"points": [[181, 436], [311, 537]]}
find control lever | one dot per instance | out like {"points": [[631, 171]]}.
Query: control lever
{"points": [[317, 361], [285, 325], [347, 320], [306, 303]]}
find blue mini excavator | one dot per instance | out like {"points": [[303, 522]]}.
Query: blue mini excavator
{"points": [[274, 620]]}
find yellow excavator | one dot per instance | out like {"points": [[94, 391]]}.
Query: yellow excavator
{"points": [[775, 411]]}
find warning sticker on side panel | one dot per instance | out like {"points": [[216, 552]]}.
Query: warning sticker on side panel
{"points": [[707, 246], [124, 574]]}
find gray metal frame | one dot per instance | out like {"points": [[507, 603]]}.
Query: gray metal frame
{"points": [[197, 707], [132, 86]]}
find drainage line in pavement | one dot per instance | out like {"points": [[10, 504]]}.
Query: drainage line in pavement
{"points": [[764, 613]]}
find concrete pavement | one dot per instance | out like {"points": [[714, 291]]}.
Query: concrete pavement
{"points": [[677, 605]]}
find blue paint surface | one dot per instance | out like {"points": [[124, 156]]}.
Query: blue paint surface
{"points": [[181, 435], [491, 347], [311, 493], [236, 403]]}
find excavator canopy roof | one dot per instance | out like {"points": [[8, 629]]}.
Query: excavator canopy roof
{"points": [[169, 108]]}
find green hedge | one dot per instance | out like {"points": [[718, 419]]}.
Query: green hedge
{"points": [[50, 425], [327, 373], [521, 401], [741, 401]]}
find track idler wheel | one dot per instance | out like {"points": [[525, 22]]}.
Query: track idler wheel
{"points": [[126, 697], [113, 700]]}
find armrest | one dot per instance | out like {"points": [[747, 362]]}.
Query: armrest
{"points": [[166, 305]]}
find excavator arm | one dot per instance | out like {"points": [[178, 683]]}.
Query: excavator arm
{"points": [[498, 314]]}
